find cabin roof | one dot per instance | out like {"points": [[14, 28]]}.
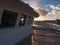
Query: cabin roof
{"points": [[18, 6]]}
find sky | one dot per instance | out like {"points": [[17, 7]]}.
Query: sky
{"points": [[53, 6]]}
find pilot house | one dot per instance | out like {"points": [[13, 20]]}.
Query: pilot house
{"points": [[16, 20]]}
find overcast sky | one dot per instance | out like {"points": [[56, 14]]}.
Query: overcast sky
{"points": [[50, 5]]}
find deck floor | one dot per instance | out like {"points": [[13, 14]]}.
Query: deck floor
{"points": [[26, 41], [41, 37], [45, 37]]}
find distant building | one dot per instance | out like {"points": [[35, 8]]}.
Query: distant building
{"points": [[58, 21], [45, 21], [51, 21]]}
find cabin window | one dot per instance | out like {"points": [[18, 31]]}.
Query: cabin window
{"points": [[22, 20], [30, 19], [8, 18]]}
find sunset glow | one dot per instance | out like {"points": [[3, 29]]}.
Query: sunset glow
{"points": [[42, 18], [53, 6]]}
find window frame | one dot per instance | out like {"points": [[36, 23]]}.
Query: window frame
{"points": [[9, 15], [24, 16]]}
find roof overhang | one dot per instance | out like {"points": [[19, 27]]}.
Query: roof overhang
{"points": [[18, 6]]}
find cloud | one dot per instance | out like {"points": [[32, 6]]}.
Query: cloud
{"points": [[53, 14], [55, 7], [52, 6], [33, 3], [42, 12], [46, 5], [58, 4]]}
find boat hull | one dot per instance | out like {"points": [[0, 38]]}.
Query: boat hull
{"points": [[10, 36]]}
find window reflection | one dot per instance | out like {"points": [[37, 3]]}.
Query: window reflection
{"points": [[22, 19], [8, 18]]}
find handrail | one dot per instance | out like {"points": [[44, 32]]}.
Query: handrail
{"points": [[54, 26]]}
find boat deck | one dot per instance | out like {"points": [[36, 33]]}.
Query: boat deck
{"points": [[42, 36], [25, 41], [45, 37]]}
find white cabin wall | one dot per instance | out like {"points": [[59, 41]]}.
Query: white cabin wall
{"points": [[12, 35], [18, 20], [31, 20]]}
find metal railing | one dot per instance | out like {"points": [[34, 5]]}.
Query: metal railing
{"points": [[44, 38], [54, 26]]}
